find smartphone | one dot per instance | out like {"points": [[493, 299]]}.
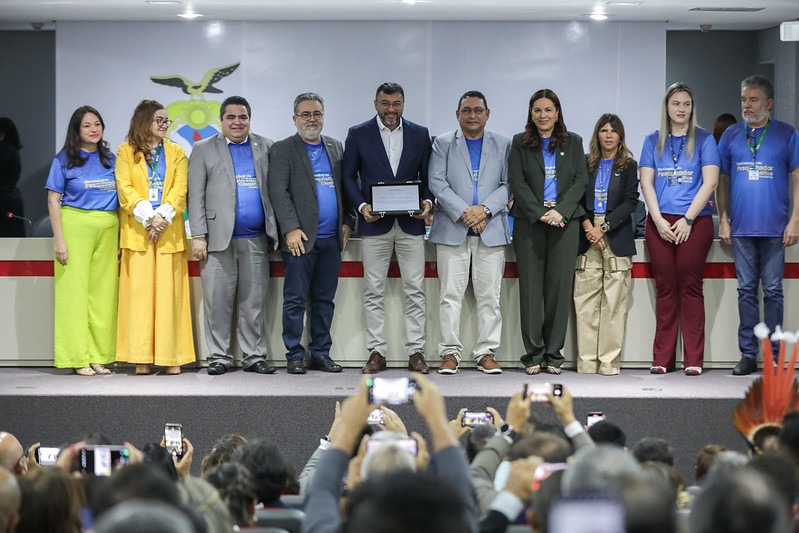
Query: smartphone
{"points": [[407, 443], [544, 470], [600, 515], [173, 439], [100, 460], [391, 391], [471, 419], [537, 392], [47, 455], [376, 418], [593, 418]]}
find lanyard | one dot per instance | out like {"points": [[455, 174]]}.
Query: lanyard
{"points": [[154, 161], [756, 147], [679, 153], [604, 176]]}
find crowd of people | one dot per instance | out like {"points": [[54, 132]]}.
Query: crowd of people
{"points": [[513, 470], [568, 215]]}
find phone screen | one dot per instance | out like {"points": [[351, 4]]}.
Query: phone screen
{"points": [[391, 391], [173, 439], [476, 418], [47, 455], [538, 392], [408, 444], [375, 418], [101, 460], [600, 515], [593, 418]]}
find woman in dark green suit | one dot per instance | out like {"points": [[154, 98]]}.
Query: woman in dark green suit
{"points": [[547, 176]]}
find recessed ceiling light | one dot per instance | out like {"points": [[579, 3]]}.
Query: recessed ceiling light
{"points": [[624, 3], [409, 2], [190, 15], [163, 2], [598, 16]]}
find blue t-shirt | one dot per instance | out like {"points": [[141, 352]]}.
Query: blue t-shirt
{"points": [[91, 186], [760, 196], [550, 178], [325, 191], [676, 185], [603, 174], [250, 219], [475, 147]]}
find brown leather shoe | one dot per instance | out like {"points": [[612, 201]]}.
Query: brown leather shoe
{"points": [[375, 364], [416, 363]]}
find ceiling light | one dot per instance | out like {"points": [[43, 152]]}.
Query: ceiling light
{"points": [[190, 15], [624, 3], [409, 2], [598, 16], [163, 2]]}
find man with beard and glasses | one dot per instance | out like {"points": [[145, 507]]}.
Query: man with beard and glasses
{"points": [[305, 189]]}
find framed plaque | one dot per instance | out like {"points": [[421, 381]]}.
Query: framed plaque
{"points": [[397, 198]]}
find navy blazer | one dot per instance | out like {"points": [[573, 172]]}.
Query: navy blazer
{"points": [[365, 163], [622, 201]]}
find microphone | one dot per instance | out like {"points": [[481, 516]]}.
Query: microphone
{"points": [[12, 215]]}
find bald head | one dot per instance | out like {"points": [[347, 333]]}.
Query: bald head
{"points": [[9, 501], [10, 453]]}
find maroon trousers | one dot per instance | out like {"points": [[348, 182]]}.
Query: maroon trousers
{"points": [[680, 304]]}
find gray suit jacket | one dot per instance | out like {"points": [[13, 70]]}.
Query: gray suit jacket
{"points": [[450, 178], [212, 190], [292, 188]]}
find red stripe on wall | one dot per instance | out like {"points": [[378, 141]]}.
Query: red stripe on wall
{"points": [[354, 269]]}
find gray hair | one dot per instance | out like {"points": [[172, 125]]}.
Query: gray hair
{"points": [[598, 470], [759, 82], [137, 516], [388, 457], [306, 97]]}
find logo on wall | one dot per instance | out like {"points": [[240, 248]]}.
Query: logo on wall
{"points": [[196, 118]]}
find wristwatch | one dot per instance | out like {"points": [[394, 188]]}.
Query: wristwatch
{"points": [[487, 211], [605, 226], [689, 221], [507, 431]]}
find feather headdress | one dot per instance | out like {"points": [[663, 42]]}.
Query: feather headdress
{"points": [[772, 396]]}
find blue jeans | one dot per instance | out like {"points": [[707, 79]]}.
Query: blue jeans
{"points": [[758, 260], [312, 276]]}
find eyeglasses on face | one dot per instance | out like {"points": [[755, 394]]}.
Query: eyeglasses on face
{"points": [[163, 122], [306, 115]]}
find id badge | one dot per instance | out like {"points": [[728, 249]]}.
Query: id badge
{"points": [[754, 173], [155, 194]]}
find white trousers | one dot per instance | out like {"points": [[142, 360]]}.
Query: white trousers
{"points": [[487, 267], [377, 251]]}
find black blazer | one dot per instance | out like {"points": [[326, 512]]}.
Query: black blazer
{"points": [[622, 201], [365, 162], [526, 179]]}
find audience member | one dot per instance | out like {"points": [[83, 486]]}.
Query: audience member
{"points": [[606, 432], [237, 490], [51, 502], [705, 460], [10, 499], [222, 452], [788, 438], [144, 517], [654, 449], [198, 494], [12, 455], [270, 471], [598, 470], [649, 504]]}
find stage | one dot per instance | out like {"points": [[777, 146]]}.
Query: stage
{"points": [[54, 406]]}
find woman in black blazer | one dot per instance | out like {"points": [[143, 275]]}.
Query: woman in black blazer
{"points": [[603, 279], [547, 176]]}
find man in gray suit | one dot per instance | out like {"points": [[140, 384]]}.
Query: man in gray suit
{"points": [[469, 178], [305, 187], [233, 230]]}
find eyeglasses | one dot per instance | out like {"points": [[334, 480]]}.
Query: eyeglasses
{"points": [[306, 115], [476, 111], [387, 105], [163, 122]]}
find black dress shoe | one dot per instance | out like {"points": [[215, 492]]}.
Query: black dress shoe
{"points": [[216, 369], [260, 367], [325, 364], [745, 366], [295, 366]]}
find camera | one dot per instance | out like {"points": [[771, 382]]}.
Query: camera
{"points": [[47, 455], [539, 392], [407, 443], [593, 418], [101, 460], [376, 418], [472, 419], [173, 439], [391, 391]]}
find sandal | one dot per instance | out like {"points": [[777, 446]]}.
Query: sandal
{"points": [[143, 370], [100, 369], [172, 370], [693, 371], [554, 370], [532, 370], [657, 370], [86, 371]]}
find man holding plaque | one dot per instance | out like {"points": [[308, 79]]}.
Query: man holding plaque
{"points": [[758, 202], [387, 157], [469, 178], [305, 190]]}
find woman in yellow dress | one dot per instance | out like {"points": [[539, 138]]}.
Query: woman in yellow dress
{"points": [[154, 320]]}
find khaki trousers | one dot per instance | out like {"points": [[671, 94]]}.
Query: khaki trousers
{"points": [[602, 286]]}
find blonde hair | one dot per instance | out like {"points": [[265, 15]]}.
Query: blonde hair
{"points": [[665, 122]]}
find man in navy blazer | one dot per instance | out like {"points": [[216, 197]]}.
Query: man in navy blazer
{"points": [[305, 189], [388, 148], [469, 178]]}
